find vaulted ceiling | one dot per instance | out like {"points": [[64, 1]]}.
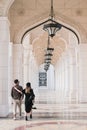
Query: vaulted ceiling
{"points": [[24, 14], [40, 45]]}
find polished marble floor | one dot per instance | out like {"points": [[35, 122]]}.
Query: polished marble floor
{"points": [[51, 114], [43, 124]]}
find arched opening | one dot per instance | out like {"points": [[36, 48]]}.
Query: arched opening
{"points": [[46, 79], [62, 76]]}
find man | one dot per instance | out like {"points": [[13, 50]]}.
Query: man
{"points": [[17, 96]]}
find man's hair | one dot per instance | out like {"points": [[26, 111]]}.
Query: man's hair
{"points": [[16, 81]]}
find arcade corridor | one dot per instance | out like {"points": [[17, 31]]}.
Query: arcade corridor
{"points": [[44, 42]]}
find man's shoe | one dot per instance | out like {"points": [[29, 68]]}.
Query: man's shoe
{"points": [[20, 117], [14, 118]]}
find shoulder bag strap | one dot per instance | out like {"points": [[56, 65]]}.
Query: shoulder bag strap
{"points": [[17, 90]]}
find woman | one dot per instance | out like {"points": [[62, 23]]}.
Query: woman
{"points": [[29, 97]]}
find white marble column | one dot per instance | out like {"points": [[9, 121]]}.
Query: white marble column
{"points": [[10, 74], [33, 70], [73, 76], [4, 43], [83, 72], [67, 77], [29, 63], [73, 68], [26, 65], [59, 79], [18, 62], [30, 67]]}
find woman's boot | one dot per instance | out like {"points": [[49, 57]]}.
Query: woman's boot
{"points": [[26, 118]]}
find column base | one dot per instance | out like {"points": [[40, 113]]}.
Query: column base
{"points": [[4, 110]]}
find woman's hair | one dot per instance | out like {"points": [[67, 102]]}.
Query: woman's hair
{"points": [[28, 85]]}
